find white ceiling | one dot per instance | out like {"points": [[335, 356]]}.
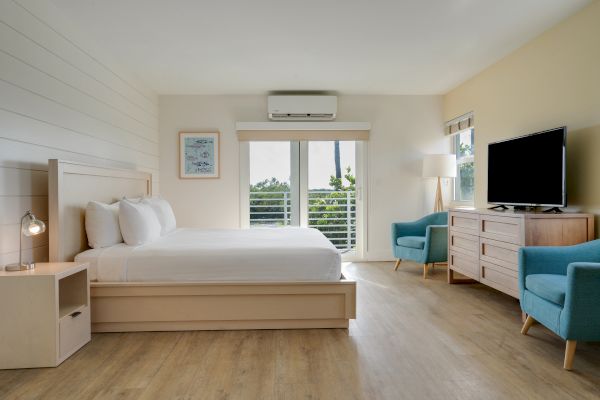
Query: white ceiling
{"points": [[348, 46]]}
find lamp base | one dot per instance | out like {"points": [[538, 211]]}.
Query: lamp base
{"points": [[19, 267], [439, 203]]}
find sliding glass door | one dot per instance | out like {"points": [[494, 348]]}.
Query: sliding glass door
{"points": [[331, 195], [274, 187], [304, 183]]}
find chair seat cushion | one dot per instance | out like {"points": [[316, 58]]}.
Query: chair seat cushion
{"points": [[414, 242], [548, 286]]}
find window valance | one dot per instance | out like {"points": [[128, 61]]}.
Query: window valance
{"points": [[312, 131]]}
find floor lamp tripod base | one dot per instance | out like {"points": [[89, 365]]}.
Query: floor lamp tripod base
{"points": [[439, 203]]}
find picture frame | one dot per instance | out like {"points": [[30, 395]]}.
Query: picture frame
{"points": [[199, 155]]}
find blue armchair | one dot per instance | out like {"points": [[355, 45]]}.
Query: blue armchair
{"points": [[424, 241], [560, 288]]}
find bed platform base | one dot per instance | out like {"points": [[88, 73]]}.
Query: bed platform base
{"points": [[166, 306]]}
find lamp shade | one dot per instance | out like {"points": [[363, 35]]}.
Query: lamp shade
{"points": [[439, 165], [35, 227]]}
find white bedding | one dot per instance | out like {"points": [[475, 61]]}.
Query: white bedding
{"points": [[257, 255]]}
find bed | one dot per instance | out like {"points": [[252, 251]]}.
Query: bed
{"points": [[247, 279], [219, 255]]}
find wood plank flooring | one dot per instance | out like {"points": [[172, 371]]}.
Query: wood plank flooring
{"points": [[413, 339]]}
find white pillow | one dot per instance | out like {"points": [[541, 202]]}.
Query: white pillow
{"points": [[132, 199], [139, 224], [102, 224], [164, 212]]}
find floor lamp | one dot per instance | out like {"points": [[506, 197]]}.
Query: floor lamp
{"points": [[439, 166]]}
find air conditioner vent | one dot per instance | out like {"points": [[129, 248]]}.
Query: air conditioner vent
{"points": [[301, 117], [302, 108]]}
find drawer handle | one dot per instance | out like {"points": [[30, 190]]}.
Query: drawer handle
{"points": [[75, 314]]}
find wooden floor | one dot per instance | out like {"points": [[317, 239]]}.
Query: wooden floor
{"points": [[413, 339]]}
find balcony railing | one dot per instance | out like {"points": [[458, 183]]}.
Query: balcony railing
{"points": [[331, 212]]}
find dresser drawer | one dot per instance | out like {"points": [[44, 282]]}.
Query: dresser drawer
{"points": [[504, 229], [500, 278], [500, 253], [74, 332], [463, 243], [463, 222], [466, 265]]}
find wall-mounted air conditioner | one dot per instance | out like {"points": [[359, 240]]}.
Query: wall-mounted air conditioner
{"points": [[302, 108]]}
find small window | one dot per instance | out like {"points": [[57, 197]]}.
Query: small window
{"points": [[464, 148]]}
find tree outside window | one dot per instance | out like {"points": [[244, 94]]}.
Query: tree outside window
{"points": [[464, 148]]}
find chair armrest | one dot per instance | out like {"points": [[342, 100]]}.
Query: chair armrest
{"points": [[436, 241], [583, 283], [436, 232], [582, 301]]}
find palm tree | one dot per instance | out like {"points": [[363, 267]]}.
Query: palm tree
{"points": [[338, 168]]}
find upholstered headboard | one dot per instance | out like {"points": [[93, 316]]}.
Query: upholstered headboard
{"points": [[71, 186]]}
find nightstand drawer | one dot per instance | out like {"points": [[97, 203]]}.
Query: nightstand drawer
{"points": [[74, 331]]}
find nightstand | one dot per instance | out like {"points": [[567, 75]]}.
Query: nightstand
{"points": [[44, 314]]}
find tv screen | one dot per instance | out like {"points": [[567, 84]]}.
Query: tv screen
{"points": [[528, 170]]}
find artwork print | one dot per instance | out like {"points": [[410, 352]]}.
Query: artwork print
{"points": [[199, 155]]}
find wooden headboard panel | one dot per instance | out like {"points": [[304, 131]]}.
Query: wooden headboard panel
{"points": [[71, 186]]}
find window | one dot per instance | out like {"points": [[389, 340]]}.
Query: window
{"points": [[464, 149]]}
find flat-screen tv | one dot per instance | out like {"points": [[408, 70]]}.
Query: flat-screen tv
{"points": [[529, 170]]}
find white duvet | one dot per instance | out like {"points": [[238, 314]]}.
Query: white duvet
{"points": [[265, 254]]}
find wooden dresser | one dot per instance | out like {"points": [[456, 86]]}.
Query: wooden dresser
{"points": [[484, 244]]}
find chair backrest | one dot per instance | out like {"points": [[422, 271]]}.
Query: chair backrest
{"points": [[437, 218]]}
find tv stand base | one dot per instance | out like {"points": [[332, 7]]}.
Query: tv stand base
{"points": [[554, 210], [499, 207]]}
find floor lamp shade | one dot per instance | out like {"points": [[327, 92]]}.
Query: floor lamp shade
{"points": [[439, 166]]}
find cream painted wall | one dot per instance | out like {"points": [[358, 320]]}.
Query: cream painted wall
{"points": [[553, 80], [403, 129], [60, 97]]}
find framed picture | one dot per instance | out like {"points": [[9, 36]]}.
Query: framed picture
{"points": [[199, 155]]}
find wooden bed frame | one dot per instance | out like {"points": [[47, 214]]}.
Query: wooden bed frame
{"points": [[170, 306]]}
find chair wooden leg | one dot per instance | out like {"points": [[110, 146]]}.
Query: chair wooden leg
{"points": [[425, 270], [398, 261], [570, 354], [528, 322]]}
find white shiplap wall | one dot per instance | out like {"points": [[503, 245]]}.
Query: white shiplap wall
{"points": [[60, 97]]}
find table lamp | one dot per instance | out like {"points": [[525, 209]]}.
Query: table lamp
{"points": [[30, 226], [439, 166]]}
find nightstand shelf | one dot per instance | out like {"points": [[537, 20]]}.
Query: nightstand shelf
{"points": [[45, 314]]}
